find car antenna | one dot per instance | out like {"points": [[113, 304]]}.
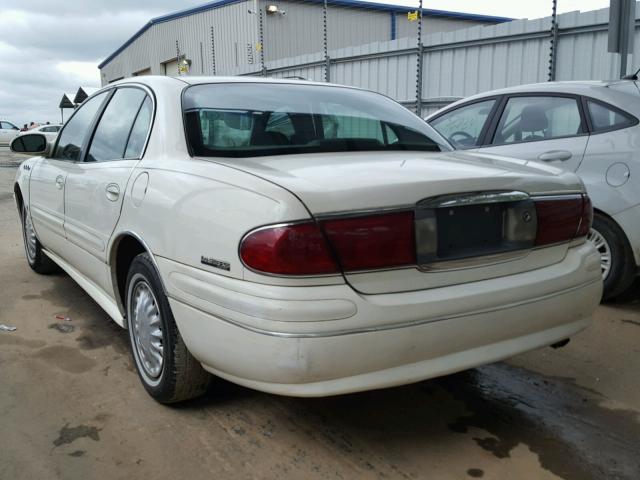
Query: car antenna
{"points": [[632, 77]]}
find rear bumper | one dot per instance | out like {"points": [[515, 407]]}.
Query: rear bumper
{"points": [[338, 341]]}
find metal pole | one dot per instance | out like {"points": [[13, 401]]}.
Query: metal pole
{"points": [[178, 58], [327, 60], [553, 47], [624, 39], [264, 66], [419, 64], [213, 53]]}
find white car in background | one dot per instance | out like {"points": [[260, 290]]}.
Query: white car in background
{"points": [[8, 131], [49, 131], [590, 128], [301, 238]]}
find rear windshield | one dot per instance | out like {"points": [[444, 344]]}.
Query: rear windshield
{"points": [[257, 119]]}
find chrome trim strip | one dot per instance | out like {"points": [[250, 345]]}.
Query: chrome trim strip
{"points": [[355, 331], [472, 198]]}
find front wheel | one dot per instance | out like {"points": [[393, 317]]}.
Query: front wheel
{"points": [[167, 370], [616, 258]]}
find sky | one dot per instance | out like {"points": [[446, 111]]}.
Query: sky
{"points": [[49, 47]]}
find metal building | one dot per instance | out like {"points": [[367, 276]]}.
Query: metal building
{"points": [[227, 37]]}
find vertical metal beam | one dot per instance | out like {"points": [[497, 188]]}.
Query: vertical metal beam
{"points": [[419, 64], [394, 25], [325, 44], [201, 60], [553, 42]]}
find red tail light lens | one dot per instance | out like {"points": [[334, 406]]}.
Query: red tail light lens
{"points": [[298, 249], [587, 217], [561, 220], [373, 242]]}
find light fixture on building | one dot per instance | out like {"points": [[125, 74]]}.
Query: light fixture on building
{"points": [[273, 10]]}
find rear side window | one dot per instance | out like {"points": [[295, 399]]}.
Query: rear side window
{"points": [[110, 140], [77, 129], [605, 118], [140, 130], [527, 119], [463, 126]]}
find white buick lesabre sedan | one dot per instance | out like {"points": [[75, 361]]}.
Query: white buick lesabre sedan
{"points": [[300, 238]]}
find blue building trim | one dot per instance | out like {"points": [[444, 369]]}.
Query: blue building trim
{"points": [[394, 9], [394, 26]]}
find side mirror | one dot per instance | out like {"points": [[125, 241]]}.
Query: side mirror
{"points": [[15, 128], [33, 143]]}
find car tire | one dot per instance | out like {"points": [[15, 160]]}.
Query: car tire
{"points": [[618, 263], [36, 258], [167, 370]]}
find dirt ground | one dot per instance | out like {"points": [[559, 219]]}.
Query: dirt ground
{"points": [[71, 405]]}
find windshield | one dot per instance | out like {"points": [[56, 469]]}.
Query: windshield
{"points": [[258, 119]]}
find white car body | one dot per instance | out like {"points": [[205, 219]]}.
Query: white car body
{"points": [[606, 157], [49, 131], [305, 335], [8, 131]]}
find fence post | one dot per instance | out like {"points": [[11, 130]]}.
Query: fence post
{"points": [[213, 52], [262, 62], [553, 47], [419, 64], [325, 45]]}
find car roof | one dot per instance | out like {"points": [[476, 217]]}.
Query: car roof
{"points": [[594, 88], [161, 80]]}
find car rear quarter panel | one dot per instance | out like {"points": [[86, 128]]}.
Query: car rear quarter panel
{"points": [[195, 208]]}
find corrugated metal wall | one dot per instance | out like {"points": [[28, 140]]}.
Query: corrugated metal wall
{"points": [[464, 62], [237, 41], [456, 63]]}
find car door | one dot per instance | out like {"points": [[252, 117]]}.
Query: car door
{"points": [[48, 176], [96, 186], [540, 127], [609, 169]]}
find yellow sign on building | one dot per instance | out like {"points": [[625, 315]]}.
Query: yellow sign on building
{"points": [[412, 16]]}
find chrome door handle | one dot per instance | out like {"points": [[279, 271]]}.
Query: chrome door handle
{"points": [[59, 182], [113, 192], [555, 155]]}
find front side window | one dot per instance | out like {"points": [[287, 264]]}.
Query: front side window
{"points": [[8, 126], [255, 119], [463, 126], [526, 119], [110, 140], [77, 129], [607, 118]]}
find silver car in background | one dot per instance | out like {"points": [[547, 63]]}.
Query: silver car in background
{"points": [[588, 127]]}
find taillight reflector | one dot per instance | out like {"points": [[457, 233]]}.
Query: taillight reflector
{"points": [[374, 241], [561, 220], [297, 249]]}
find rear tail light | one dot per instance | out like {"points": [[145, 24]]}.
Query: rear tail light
{"points": [[297, 249], [561, 220], [360, 243], [373, 242], [382, 241]]}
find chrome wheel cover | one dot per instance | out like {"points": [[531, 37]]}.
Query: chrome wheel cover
{"points": [[145, 328], [604, 250], [30, 241]]}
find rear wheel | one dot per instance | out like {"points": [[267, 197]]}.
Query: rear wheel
{"points": [[37, 259], [616, 258], [167, 370]]}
